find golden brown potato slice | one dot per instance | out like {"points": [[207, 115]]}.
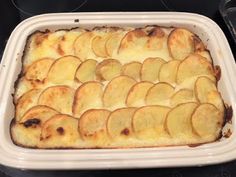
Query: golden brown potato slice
{"points": [[25, 102], [59, 98], [86, 71], [108, 69], [193, 66], [66, 43], [38, 70], [178, 121], [119, 123], [63, 69], [87, 96], [25, 136], [180, 43], [137, 94], [150, 69], [206, 92], [92, 125], [182, 96], [207, 121], [159, 94], [112, 44], [116, 92], [168, 71], [98, 45], [37, 115], [60, 131], [148, 122], [82, 45], [206, 54], [132, 69]]}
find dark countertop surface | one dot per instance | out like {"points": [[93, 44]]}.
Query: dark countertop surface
{"points": [[14, 11]]}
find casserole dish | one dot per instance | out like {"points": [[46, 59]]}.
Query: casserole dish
{"points": [[207, 30]]}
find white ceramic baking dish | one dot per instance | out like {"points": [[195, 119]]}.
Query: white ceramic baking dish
{"points": [[206, 29]]}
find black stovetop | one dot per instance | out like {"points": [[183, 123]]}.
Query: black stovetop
{"points": [[14, 11]]}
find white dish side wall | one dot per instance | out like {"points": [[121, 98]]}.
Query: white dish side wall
{"points": [[207, 30]]}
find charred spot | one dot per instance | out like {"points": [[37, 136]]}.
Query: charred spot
{"points": [[76, 20], [195, 145], [158, 32], [228, 114], [227, 134], [32, 122], [217, 72], [125, 132], [60, 130]]}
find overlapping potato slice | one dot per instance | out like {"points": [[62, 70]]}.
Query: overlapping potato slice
{"points": [[119, 123], [112, 44], [25, 102], [182, 96], [61, 130], [132, 69], [59, 98], [66, 43], [38, 70], [205, 53], [168, 71], [207, 121], [159, 94], [148, 122], [206, 92], [63, 69], [194, 66], [180, 43], [116, 92], [150, 69], [37, 115], [108, 69], [26, 137], [86, 71], [87, 96], [98, 45], [92, 125], [43, 45], [137, 94], [178, 121], [82, 45]]}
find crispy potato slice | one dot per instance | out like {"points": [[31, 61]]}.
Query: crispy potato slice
{"points": [[132, 69], [178, 121], [82, 45], [180, 43], [116, 92], [66, 43], [206, 92], [112, 44], [98, 45], [57, 72], [87, 96], [119, 123], [159, 94], [137, 94], [92, 125], [207, 121], [182, 96], [37, 115], [193, 66], [86, 71], [108, 69], [59, 98], [25, 136], [25, 102], [38, 70], [206, 54], [60, 131], [168, 71], [148, 122], [150, 69]]}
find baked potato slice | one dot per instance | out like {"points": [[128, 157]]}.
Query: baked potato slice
{"points": [[182, 96], [132, 69], [87, 96], [86, 71], [168, 71], [98, 45], [59, 98]]}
